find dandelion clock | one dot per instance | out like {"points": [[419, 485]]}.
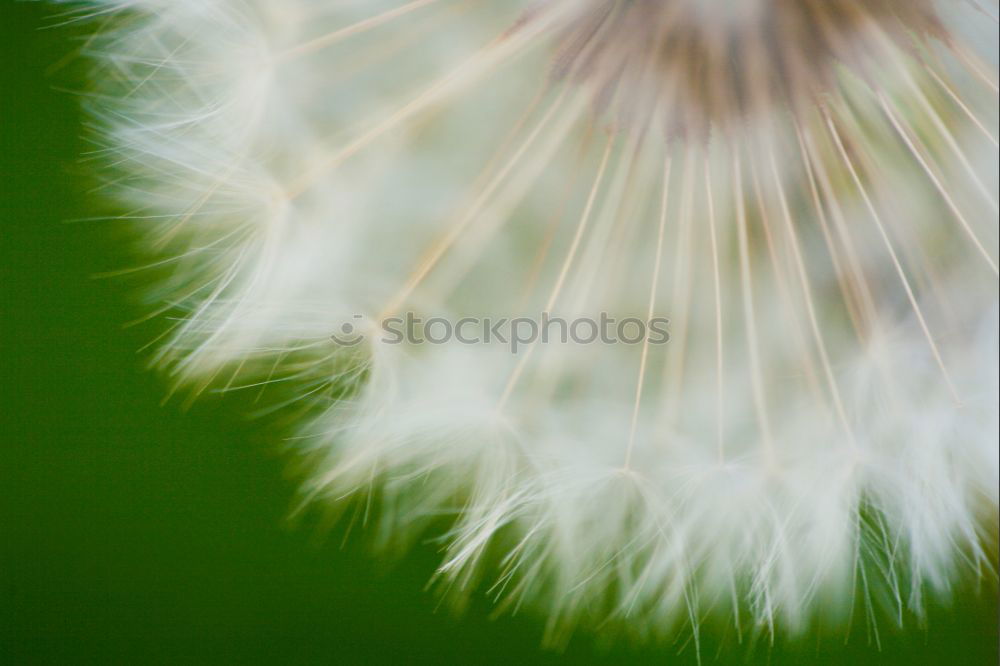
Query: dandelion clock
{"points": [[659, 317]]}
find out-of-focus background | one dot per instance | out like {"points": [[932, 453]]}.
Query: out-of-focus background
{"points": [[133, 531]]}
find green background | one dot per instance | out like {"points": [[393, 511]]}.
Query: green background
{"points": [[136, 532]]}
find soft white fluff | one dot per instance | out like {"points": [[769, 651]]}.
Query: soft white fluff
{"points": [[819, 437]]}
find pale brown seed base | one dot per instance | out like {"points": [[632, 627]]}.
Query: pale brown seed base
{"points": [[696, 67]]}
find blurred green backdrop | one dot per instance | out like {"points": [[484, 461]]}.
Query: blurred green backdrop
{"points": [[135, 532]]}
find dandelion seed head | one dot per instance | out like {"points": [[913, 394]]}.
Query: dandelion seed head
{"points": [[817, 442]]}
